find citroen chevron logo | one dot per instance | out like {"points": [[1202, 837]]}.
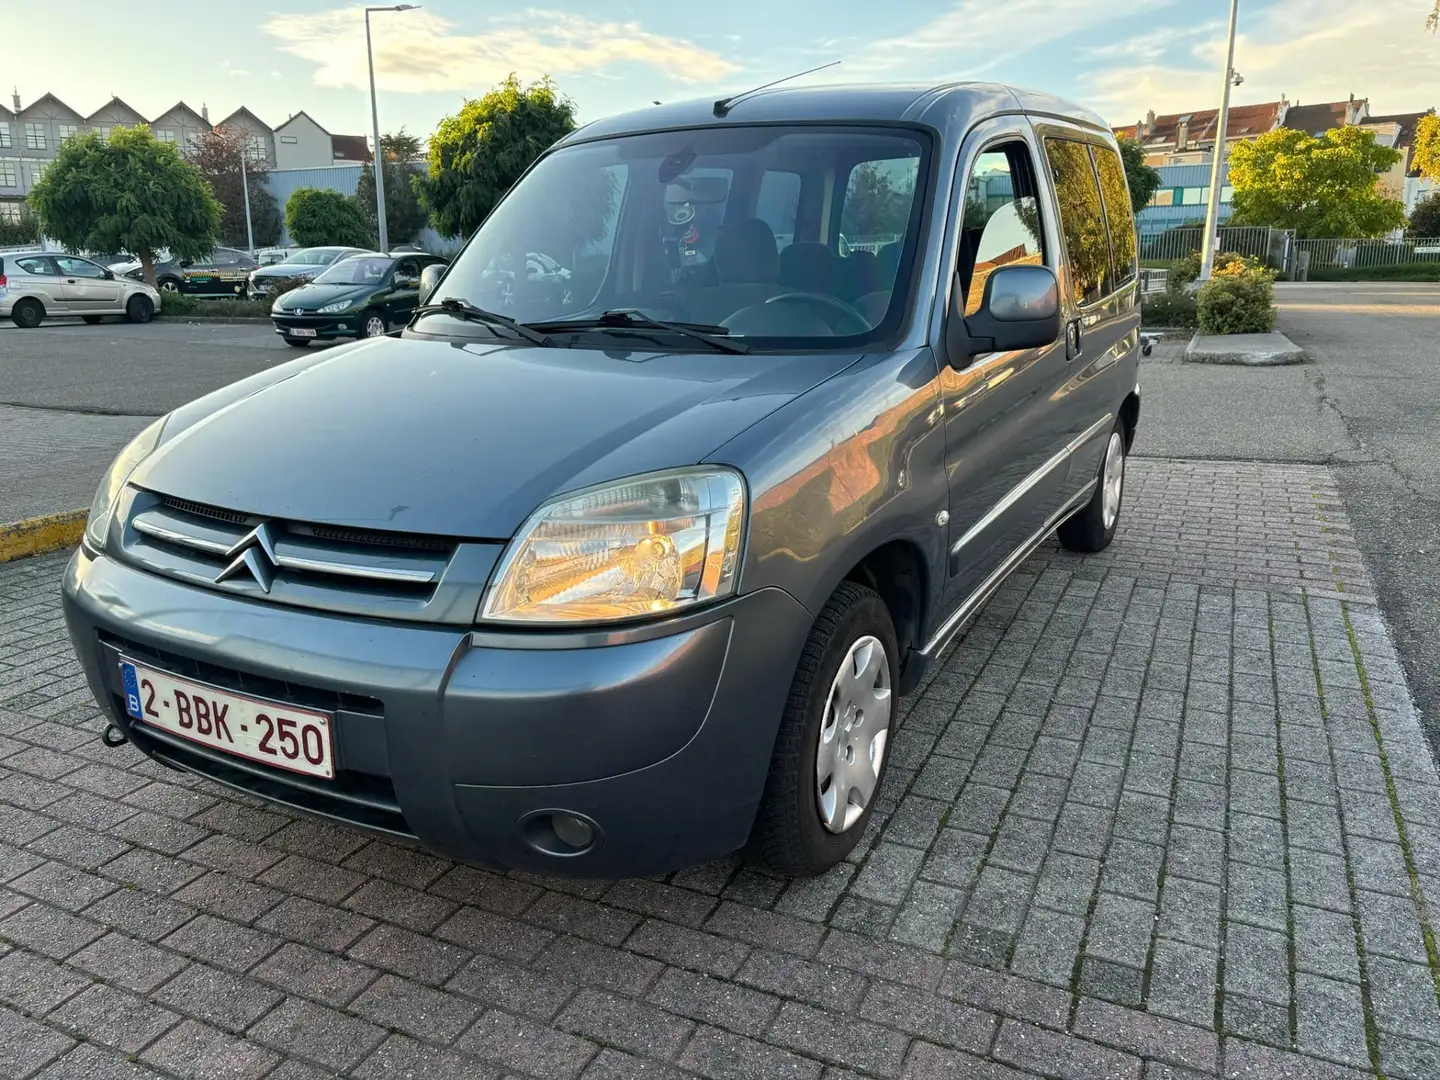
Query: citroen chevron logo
{"points": [[254, 552]]}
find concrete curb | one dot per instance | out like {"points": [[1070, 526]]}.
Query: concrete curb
{"points": [[37, 535], [1251, 350]]}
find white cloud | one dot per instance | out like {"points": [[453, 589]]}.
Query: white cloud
{"points": [[237, 71], [977, 36], [417, 51], [1310, 51]]}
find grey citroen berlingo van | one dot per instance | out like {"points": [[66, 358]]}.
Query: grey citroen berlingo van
{"points": [[623, 565]]}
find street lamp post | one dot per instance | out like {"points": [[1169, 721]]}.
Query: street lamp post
{"points": [[378, 160], [245, 194], [1212, 212]]}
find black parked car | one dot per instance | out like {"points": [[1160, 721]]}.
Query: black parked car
{"points": [[221, 273], [360, 297]]}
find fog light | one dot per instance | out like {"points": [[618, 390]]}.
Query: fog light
{"points": [[572, 830]]}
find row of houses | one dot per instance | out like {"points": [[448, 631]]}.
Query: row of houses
{"points": [[31, 136], [1181, 146]]}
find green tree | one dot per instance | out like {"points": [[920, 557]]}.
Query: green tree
{"points": [[19, 233], [217, 154], [1425, 218], [404, 216], [1143, 180], [1319, 187], [1427, 146], [317, 216], [133, 193], [477, 154]]}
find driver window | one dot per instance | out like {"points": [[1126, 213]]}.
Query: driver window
{"points": [[407, 274], [1002, 219], [80, 268]]}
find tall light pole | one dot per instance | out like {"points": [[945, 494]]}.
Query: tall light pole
{"points": [[378, 160], [245, 193], [1212, 212]]}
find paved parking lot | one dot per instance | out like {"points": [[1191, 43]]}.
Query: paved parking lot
{"points": [[1162, 813]]}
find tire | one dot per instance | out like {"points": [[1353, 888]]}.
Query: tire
{"points": [[139, 309], [372, 324], [168, 284], [28, 313], [91, 319], [295, 342], [1092, 527], [791, 836]]}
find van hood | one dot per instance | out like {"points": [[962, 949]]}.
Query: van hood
{"points": [[457, 438]]}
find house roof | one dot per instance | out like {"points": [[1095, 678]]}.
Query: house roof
{"points": [[1129, 131], [1244, 121], [242, 111], [116, 101], [180, 106], [1318, 119], [297, 116], [1407, 123], [47, 97], [349, 148]]}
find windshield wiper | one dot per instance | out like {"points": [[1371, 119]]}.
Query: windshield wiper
{"points": [[630, 319], [463, 309]]}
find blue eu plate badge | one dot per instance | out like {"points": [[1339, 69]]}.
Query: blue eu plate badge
{"points": [[132, 691]]}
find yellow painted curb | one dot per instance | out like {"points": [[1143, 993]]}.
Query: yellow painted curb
{"points": [[35, 536]]}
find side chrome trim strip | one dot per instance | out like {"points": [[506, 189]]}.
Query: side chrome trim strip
{"points": [[1019, 491], [989, 585]]}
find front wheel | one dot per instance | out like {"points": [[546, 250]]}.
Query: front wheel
{"points": [[139, 309], [1093, 526], [830, 754], [372, 324]]}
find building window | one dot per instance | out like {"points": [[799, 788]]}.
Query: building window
{"points": [[256, 147], [35, 137], [165, 135], [1227, 194], [4, 136], [9, 175], [289, 140], [104, 131], [10, 211], [1163, 197], [1194, 196], [66, 131]]}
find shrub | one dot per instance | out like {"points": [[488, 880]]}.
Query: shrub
{"points": [[1184, 271], [1425, 218], [1238, 299], [196, 307], [280, 286], [1172, 308], [316, 216], [1411, 271]]}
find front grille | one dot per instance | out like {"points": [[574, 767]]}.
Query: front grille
{"points": [[355, 795], [185, 506]]}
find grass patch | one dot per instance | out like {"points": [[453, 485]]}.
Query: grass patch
{"points": [[1414, 271]]}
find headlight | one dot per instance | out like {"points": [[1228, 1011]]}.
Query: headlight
{"points": [[97, 526], [643, 546], [338, 305]]}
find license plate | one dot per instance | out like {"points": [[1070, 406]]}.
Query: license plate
{"points": [[302, 331], [266, 731]]}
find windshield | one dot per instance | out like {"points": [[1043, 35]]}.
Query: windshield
{"points": [[796, 234], [356, 270], [314, 256]]}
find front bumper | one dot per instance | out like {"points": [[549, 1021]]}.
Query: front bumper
{"points": [[661, 736], [326, 327]]}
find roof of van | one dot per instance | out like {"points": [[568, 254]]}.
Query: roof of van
{"points": [[946, 105]]}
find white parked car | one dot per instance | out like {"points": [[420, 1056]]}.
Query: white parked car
{"points": [[48, 284]]}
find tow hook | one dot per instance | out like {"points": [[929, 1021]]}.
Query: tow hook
{"points": [[113, 736]]}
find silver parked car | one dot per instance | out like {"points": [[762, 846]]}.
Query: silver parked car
{"points": [[47, 284], [614, 572]]}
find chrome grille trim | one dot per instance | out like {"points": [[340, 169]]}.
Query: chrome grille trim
{"points": [[170, 536], [371, 573]]}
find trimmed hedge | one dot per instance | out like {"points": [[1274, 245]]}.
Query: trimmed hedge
{"points": [[193, 307], [1238, 299], [1413, 271], [1172, 308]]}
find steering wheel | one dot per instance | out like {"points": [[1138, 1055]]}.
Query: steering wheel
{"points": [[840, 307]]}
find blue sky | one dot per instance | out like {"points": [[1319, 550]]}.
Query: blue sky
{"points": [[1117, 56]]}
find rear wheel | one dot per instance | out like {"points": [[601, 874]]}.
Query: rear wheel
{"points": [[830, 754], [372, 324], [27, 313], [139, 309], [1093, 527], [91, 319], [169, 284]]}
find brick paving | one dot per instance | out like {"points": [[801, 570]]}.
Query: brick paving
{"points": [[1162, 813]]}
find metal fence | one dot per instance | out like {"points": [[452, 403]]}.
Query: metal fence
{"points": [[1364, 254], [1172, 244], [1153, 281]]}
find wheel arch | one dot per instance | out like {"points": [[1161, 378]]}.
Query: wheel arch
{"points": [[1130, 417], [896, 570]]}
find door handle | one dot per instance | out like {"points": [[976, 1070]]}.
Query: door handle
{"points": [[69, 281], [1073, 345]]}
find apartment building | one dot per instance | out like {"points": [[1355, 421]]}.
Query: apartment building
{"points": [[30, 137]]}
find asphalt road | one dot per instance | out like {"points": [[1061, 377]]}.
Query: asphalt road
{"points": [[1368, 405], [123, 369]]}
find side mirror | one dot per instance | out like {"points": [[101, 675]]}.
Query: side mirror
{"points": [[1020, 309], [429, 278], [109, 275]]}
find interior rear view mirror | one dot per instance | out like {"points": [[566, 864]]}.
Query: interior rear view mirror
{"points": [[1020, 309]]}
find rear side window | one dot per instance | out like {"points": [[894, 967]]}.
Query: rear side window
{"points": [[36, 266], [1116, 194], [1082, 220]]}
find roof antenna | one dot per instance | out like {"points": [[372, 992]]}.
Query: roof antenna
{"points": [[724, 105]]}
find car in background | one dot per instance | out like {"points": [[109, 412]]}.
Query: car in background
{"points": [[221, 273], [358, 297], [305, 263], [272, 255], [43, 285]]}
